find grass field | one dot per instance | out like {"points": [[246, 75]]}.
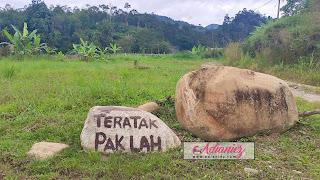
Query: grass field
{"points": [[49, 101]]}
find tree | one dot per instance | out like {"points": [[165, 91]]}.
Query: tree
{"points": [[38, 16], [134, 18], [146, 41], [112, 10], [227, 19], [103, 34], [36, 1], [127, 6], [238, 28], [104, 8], [294, 7], [126, 43]]}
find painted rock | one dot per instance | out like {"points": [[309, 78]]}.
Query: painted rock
{"points": [[226, 103], [113, 128]]}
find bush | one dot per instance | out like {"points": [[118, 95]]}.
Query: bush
{"points": [[4, 51], [212, 53], [233, 53], [286, 40], [184, 55], [9, 72]]}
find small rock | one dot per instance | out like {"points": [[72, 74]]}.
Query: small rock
{"points": [[149, 107], [250, 170], [317, 143], [113, 128], [298, 172], [43, 150]]}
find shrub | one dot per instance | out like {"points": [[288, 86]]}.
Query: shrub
{"points": [[286, 40], [9, 72], [184, 55], [233, 53], [4, 51], [212, 53]]}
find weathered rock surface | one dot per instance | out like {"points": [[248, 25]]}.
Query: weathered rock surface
{"points": [[149, 107], [225, 103], [111, 128], [250, 170], [43, 150]]}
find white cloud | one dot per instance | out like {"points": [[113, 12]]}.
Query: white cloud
{"points": [[196, 12]]}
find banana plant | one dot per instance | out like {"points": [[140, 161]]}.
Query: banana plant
{"points": [[61, 56], [197, 50], [20, 43], [200, 49], [103, 53], [36, 46], [194, 50], [49, 50], [85, 51], [113, 48]]}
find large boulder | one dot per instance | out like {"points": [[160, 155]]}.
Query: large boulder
{"points": [[113, 128], [226, 103]]}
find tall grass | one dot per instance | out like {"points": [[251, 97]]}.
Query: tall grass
{"points": [[233, 53], [305, 71], [9, 71]]}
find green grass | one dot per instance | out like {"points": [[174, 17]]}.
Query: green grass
{"points": [[49, 101], [296, 73]]}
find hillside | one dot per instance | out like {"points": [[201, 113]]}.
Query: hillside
{"points": [[212, 26], [288, 48], [289, 40], [180, 23]]}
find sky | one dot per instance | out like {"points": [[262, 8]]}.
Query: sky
{"points": [[195, 12]]}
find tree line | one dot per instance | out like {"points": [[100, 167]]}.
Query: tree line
{"points": [[63, 26]]}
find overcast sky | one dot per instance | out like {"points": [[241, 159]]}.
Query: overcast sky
{"points": [[195, 12]]}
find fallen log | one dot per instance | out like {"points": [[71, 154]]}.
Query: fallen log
{"points": [[165, 99], [309, 113], [135, 65]]}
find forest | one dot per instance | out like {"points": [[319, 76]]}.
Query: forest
{"points": [[61, 26]]}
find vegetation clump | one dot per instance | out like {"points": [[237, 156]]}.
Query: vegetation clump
{"points": [[288, 40], [287, 47], [23, 44]]}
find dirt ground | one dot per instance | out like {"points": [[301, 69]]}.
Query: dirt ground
{"points": [[306, 92]]}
